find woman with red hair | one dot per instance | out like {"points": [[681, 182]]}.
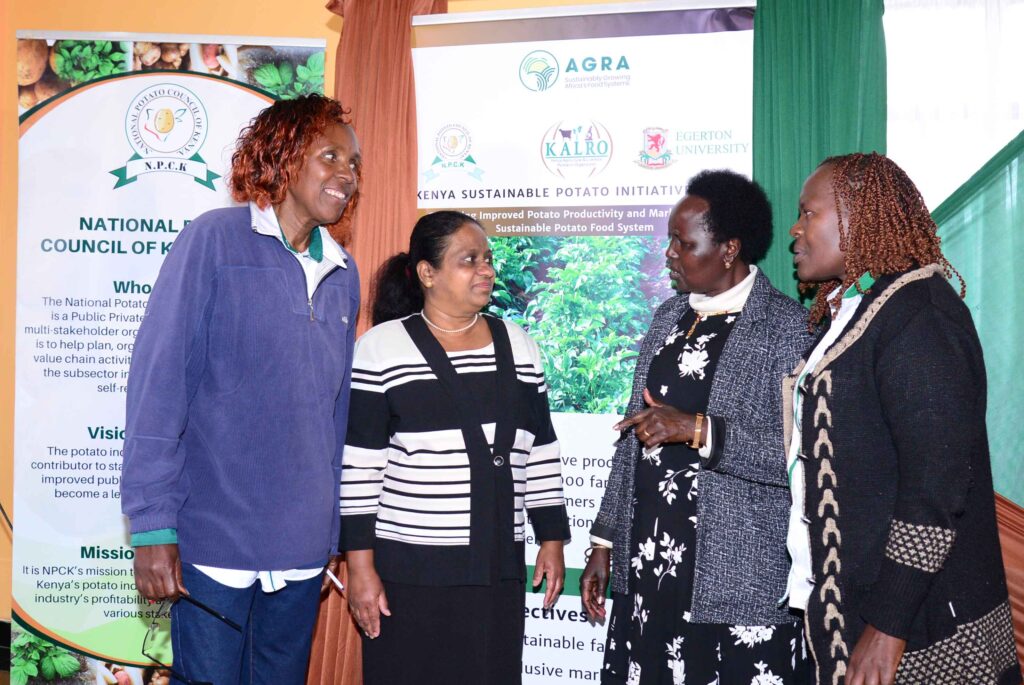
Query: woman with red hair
{"points": [[238, 404]]}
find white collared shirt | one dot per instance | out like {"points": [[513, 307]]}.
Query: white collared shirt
{"points": [[798, 541], [264, 222]]}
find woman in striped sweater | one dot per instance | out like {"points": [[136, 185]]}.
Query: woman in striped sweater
{"points": [[449, 446]]}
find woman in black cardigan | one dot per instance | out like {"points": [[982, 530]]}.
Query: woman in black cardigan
{"points": [[893, 534]]}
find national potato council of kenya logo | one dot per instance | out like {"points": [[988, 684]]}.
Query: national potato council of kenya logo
{"points": [[166, 125], [453, 142], [539, 70]]}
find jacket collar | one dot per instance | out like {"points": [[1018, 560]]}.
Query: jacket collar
{"points": [[264, 222], [755, 308], [875, 297]]}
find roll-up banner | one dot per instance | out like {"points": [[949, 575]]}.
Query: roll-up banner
{"points": [[569, 135], [124, 138]]}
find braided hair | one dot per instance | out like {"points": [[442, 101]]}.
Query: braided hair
{"points": [[888, 229]]}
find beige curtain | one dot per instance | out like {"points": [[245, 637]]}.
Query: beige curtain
{"points": [[374, 80]]}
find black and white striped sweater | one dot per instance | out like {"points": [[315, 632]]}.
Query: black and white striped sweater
{"points": [[423, 483]]}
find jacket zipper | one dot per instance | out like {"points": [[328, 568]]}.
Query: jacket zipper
{"points": [[316, 286], [309, 298]]}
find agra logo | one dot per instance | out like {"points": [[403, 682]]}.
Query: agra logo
{"points": [[576, 149], [655, 153], [539, 70], [452, 145], [166, 125]]}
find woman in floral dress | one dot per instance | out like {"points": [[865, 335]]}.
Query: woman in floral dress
{"points": [[698, 497]]}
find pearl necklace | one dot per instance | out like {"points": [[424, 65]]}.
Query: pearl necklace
{"points": [[452, 330]]}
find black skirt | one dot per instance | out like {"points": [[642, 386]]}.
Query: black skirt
{"points": [[458, 635]]}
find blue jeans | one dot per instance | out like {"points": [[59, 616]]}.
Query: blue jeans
{"points": [[273, 646]]}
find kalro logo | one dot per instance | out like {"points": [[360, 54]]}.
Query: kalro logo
{"points": [[576, 149], [655, 153]]}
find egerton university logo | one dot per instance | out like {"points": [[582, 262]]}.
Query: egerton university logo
{"points": [[655, 153], [166, 126], [539, 70]]}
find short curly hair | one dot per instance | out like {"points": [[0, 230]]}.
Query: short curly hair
{"points": [[737, 208], [270, 150]]}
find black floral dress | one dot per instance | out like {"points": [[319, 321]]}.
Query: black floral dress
{"points": [[650, 638]]}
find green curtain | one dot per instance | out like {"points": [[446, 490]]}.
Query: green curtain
{"points": [[981, 228], [819, 90]]}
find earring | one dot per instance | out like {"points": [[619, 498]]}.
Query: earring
{"points": [[728, 263]]}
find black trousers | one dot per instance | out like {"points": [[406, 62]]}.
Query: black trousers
{"points": [[465, 635]]}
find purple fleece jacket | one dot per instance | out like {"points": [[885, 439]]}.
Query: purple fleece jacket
{"points": [[238, 400]]}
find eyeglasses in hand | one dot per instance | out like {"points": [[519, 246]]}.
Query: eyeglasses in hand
{"points": [[151, 639]]}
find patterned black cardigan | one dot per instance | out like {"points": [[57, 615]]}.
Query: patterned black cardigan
{"points": [[742, 493], [899, 490]]}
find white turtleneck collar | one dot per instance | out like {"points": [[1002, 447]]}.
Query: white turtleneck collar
{"points": [[732, 300]]}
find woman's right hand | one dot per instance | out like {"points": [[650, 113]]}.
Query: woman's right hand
{"points": [[594, 582], [659, 424], [366, 599]]}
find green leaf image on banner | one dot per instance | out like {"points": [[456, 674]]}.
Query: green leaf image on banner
{"points": [[79, 61], [587, 301], [287, 81], [34, 658]]}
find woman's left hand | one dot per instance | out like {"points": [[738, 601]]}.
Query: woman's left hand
{"points": [[659, 423], [875, 658], [550, 567]]}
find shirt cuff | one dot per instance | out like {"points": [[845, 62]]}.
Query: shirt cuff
{"points": [[550, 523], [705, 449], [600, 542], [358, 532], [715, 426], [163, 536]]}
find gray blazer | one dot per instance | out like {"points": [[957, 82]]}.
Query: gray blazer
{"points": [[743, 501]]}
